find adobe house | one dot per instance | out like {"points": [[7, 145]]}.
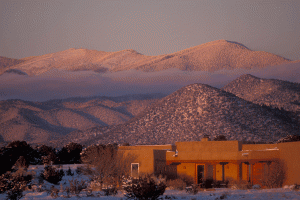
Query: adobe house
{"points": [[149, 159], [217, 160]]}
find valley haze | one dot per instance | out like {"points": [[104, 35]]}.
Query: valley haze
{"points": [[82, 72]]}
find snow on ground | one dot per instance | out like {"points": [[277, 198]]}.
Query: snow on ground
{"points": [[219, 193]]}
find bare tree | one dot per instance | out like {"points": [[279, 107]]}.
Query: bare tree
{"points": [[275, 176], [110, 165]]}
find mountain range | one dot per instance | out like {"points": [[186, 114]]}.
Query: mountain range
{"points": [[194, 111], [187, 114], [40, 122], [85, 73], [212, 56], [249, 107]]}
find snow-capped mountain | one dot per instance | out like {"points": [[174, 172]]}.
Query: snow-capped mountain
{"points": [[192, 112], [212, 56]]}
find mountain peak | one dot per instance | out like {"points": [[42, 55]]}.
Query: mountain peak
{"points": [[130, 50], [248, 76], [197, 110], [271, 92], [223, 42], [198, 88]]}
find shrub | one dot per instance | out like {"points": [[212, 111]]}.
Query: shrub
{"points": [[221, 184], [239, 185], [14, 193], [14, 183], [70, 154], [295, 187], [110, 191], [208, 183], [193, 189], [95, 186], [10, 154], [177, 184], [46, 155], [145, 188], [61, 172], [275, 176], [76, 187], [187, 179], [67, 189], [21, 163], [54, 192], [52, 175], [181, 182], [78, 170], [223, 196], [89, 193], [69, 172], [86, 170]]}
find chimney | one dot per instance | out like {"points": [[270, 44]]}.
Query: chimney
{"points": [[205, 138]]}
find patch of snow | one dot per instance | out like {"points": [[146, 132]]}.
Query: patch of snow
{"points": [[287, 192], [218, 193], [256, 187]]}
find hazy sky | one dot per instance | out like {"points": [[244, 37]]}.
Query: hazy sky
{"points": [[152, 27]]}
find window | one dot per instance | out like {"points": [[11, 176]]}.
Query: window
{"points": [[135, 170]]}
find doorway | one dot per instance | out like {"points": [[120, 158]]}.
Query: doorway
{"points": [[200, 174]]}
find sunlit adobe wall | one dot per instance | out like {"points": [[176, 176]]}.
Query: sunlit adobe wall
{"points": [[187, 169], [258, 146], [290, 155], [287, 154], [206, 150], [145, 156]]}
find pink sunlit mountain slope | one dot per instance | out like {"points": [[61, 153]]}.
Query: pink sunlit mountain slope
{"points": [[40, 122], [269, 92], [192, 112], [212, 56]]}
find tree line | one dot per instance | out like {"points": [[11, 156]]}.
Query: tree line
{"points": [[19, 153]]}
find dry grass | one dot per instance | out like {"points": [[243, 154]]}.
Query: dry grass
{"points": [[239, 185], [181, 182], [176, 184]]}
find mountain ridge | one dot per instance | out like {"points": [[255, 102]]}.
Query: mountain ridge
{"points": [[38, 122], [269, 92], [211, 56], [192, 112], [187, 114]]}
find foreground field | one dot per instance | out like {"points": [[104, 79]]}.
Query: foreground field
{"points": [[280, 193], [44, 192]]}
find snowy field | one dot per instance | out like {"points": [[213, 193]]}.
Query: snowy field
{"points": [[219, 193], [174, 194]]}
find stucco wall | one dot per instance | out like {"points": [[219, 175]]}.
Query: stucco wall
{"points": [[290, 155], [211, 153], [144, 155], [187, 169], [206, 151]]}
